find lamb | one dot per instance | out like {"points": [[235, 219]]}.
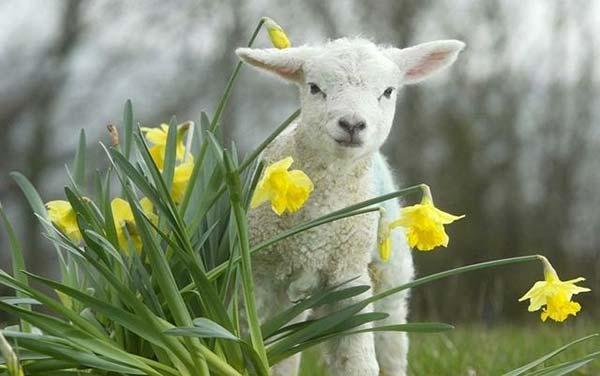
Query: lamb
{"points": [[348, 89]]}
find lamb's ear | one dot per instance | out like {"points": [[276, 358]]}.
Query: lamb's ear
{"points": [[286, 63], [421, 61]]}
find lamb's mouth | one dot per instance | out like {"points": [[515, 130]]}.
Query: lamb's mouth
{"points": [[349, 143]]}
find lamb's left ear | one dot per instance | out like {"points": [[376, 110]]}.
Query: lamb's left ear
{"points": [[421, 61], [286, 63]]}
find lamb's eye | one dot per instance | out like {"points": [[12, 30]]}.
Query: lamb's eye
{"points": [[314, 89], [388, 92]]}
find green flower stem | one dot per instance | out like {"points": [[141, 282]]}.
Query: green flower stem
{"points": [[214, 124], [235, 192], [451, 272]]}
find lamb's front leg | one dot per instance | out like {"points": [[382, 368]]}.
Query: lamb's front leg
{"points": [[352, 355], [271, 299]]}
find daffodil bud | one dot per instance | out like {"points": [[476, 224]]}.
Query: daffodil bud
{"points": [[276, 34], [384, 240]]}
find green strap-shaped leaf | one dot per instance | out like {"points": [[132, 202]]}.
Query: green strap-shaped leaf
{"points": [[567, 367], [17, 260], [78, 166], [541, 360], [128, 125]]}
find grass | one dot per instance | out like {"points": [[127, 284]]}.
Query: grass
{"points": [[478, 350]]}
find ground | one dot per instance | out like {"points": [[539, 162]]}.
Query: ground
{"points": [[478, 350]]}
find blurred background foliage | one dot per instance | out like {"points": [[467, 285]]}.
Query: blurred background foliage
{"points": [[509, 135]]}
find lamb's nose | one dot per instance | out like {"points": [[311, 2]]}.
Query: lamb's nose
{"points": [[352, 124]]}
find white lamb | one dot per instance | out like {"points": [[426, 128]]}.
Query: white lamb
{"points": [[348, 89]]}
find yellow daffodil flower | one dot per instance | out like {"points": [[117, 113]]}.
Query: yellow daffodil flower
{"points": [[158, 138], [276, 34], [63, 216], [287, 190], [124, 220], [554, 294], [424, 225], [181, 178]]}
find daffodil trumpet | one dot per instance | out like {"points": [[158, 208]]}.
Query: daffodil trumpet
{"points": [[286, 190]]}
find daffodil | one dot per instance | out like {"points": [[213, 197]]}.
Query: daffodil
{"points": [[125, 221], [181, 178], [276, 34], [424, 224], [287, 190], [63, 216], [158, 137], [553, 295]]}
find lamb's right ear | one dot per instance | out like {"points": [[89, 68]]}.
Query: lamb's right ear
{"points": [[286, 63]]}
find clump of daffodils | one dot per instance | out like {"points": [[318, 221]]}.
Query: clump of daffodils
{"points": [[62, 215], [286, 190], [276, 34], [554, 296], [423, 224]]}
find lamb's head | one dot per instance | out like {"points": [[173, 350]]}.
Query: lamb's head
{"points": [[348, 87]]}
